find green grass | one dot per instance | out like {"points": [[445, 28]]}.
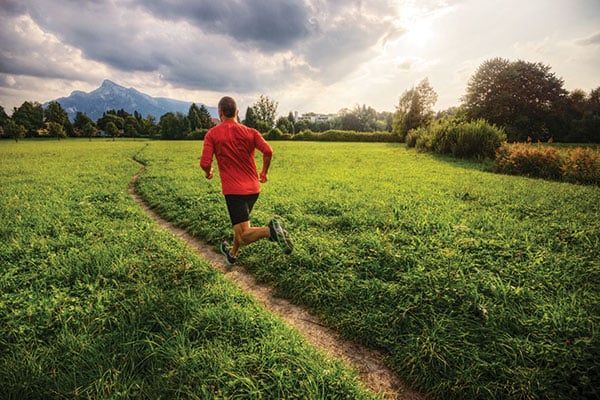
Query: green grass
{"points": [[97, 301], [477, 285]]}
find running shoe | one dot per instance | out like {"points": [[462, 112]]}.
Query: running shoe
{"points": [[280, 235], [226, 251]]}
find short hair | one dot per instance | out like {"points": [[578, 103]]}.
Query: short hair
{"points": [[228, 106]]}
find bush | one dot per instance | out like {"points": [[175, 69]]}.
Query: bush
{"points": [[411, 139], [334, 135], [424, 138], [530, 160], [276, 134], [576, 165], [476, 139], [582, 166], [196, 134]]}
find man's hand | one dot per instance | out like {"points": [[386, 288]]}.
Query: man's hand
{"points": [[209, 174], [263, 177]]}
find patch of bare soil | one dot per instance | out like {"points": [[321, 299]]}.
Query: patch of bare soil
{"points": [[369, 363]]}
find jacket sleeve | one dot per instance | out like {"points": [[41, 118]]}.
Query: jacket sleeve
{"points": [[261, 144], [207, 152]]}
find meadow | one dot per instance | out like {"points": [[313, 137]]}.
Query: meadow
{"points": [[476, 285], [97, 301]]}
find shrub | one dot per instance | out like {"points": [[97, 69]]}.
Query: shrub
{"points": [[582, 166], [197, 134], [334, 135], [411, 139], [424, 138], [476, 139], [575, 165], [276, 134], [530, 160]]}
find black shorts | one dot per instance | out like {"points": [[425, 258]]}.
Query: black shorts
{"points": [[240, 206]]}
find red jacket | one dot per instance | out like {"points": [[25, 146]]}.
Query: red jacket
{"points": [[233, 145]]}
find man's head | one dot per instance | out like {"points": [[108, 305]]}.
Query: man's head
{"points": [[227, 108]]}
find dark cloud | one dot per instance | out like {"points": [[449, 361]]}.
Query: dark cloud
{"points": [[198, 44], [268, 24], [102, 31], [12, 7]]}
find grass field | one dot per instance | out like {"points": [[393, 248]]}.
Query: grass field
{"points": [[477, 285], [97, 301]]}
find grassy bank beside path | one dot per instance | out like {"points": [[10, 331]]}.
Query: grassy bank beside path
{"points": [[97, 301], [477, 285]]}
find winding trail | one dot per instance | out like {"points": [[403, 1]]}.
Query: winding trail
{"points": [[369, 363]]}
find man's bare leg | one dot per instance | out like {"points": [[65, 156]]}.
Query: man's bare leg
{"points": [[244, 234]]}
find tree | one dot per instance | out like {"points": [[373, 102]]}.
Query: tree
{"points": [[110, 116], [594, 101], [194, 117], [3, 117], [584, 116], [148, 126], [578, 102], [349, 120], [206, 121], [89, 130], [172, 126], [415, 109], [120, 113], [112, 130], [56, 130], [302, 125], [132, 127], [250, 119], [360, 119], [284, 125], [523, 97], [13, 130], [80, 122], [31, 116], [265, 110], [292, 123], [384, 121], [55, 113]]}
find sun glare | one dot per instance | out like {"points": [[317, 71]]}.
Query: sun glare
{"points": [[419, 32], [419, 22]]}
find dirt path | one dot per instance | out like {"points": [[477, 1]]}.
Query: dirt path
{"points": [[369, 363]]}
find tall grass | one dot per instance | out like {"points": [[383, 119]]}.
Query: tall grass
{"points": [[477, 285], [97, 301]]}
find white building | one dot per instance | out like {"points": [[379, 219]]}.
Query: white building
{"points": [[314, 117]]}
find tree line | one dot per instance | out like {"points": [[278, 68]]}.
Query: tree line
{"points": [[262, 116], [32, 120], [525, 99]]}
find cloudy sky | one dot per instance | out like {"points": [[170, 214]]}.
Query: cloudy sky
{"points": [[308, 55]]}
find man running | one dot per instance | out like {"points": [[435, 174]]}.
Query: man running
{"points": [[233, 145]]}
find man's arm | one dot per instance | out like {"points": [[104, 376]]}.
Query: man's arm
{"points": [[207, 158], [208, 172], [261, 144], [265, 167]]}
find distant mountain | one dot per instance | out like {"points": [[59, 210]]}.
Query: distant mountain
{"points": [[110, 96]]}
